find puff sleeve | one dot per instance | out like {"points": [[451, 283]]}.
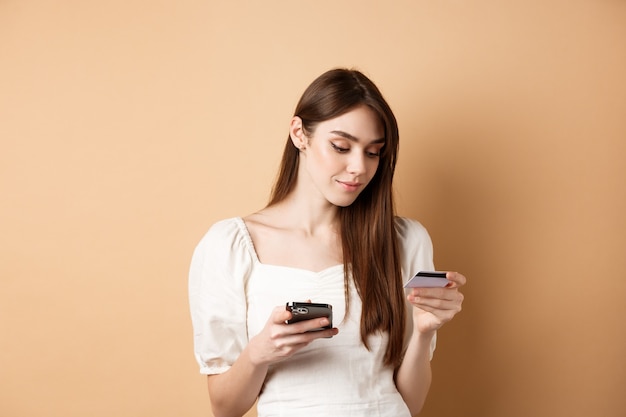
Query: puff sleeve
{"points": [[220, 267], [416, 248], [416, 254]]}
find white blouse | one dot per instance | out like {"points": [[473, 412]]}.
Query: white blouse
{"points": [[232, 294]]}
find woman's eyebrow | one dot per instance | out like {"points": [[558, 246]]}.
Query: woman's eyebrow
{"points": [[354, 138]]}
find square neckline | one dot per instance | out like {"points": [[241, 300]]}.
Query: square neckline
{"points": [[246, 233]]}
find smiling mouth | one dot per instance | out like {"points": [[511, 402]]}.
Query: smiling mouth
{"points": [[349, 186]]}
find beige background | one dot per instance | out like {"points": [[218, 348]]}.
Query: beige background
{"points": [[128, 127]]}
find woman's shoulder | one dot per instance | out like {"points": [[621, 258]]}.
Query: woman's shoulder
{"points": [[408, 228], [226, 233], [227, 225]]}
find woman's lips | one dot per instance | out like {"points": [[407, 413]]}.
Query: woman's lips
{"points": [[349, 185]]}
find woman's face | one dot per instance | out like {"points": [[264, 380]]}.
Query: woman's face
{"points": [[340, 158]]}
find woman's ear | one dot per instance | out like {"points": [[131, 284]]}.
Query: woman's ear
{"points": [[296, 133]]}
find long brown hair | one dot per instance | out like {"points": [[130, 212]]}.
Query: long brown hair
{"points": [[368, 236]]}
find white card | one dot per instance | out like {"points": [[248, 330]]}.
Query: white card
{"points": [[428, 279]]}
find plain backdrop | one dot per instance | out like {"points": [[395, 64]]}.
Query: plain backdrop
{"points": [[128, 127]]}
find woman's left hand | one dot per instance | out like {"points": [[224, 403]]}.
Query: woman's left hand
{"points": [[433, 307]]}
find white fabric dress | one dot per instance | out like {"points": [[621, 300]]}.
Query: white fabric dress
{"points": [[232, 294]]}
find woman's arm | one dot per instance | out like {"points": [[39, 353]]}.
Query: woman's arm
{"points": [[414, 375], [234, 392], [432, 307]]}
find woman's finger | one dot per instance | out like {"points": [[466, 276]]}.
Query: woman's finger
{"points": [[458, 280], [436, 293]]}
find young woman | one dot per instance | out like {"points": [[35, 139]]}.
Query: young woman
{"points": [[328, 235]]}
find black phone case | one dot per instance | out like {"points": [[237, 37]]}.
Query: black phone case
{"points": [[308, 311]]}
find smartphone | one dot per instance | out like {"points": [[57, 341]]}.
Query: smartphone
{"points": [[428, 279], [308, 311]]}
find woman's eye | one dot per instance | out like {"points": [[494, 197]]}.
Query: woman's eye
{"points": [[374, 152], [338, 148]]}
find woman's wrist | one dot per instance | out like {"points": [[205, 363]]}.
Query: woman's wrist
{"points": [[256, 360], [423, 336]]}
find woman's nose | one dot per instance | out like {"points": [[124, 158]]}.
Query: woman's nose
{"points": [[356, 164]]}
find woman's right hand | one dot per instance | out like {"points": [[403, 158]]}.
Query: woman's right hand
{"points": [[234, 392], [278, 340]]}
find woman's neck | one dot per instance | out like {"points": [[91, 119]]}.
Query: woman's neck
{"points": [[310, 217]]}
